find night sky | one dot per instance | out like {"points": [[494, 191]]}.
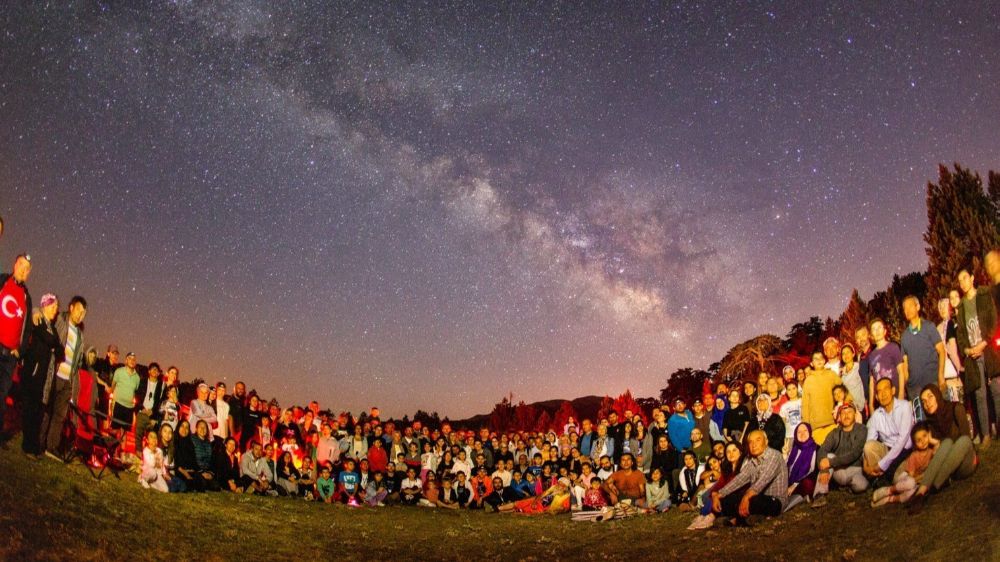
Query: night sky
{"points": [[430, 205]]}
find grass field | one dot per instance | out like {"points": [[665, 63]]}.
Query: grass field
{"points": [[57, 512]]}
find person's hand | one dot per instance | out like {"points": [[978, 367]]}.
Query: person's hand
{"points": [[716, 503], [791, 489], [15, 353], [745, 506]]}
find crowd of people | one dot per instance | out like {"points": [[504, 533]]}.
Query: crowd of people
{"points": [[868, 415]]}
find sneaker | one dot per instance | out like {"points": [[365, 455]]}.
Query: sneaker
{"points": [[380, 504], [272, 493], [793, 501], [880, 494], [819, 502], [53, 456], [884, 500], [702, 522]]}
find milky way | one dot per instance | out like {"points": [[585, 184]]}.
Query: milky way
{"points": [[430, 206]]}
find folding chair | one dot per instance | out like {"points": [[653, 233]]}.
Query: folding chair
{"points": [[95, 448]]}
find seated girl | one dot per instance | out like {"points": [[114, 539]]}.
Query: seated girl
{"points": [[153, 473], [910, 474], [657, 492]]}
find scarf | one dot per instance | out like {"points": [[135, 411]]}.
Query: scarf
{"points": [[943, 420], [800, 459], [763, 415], [719, 414]]}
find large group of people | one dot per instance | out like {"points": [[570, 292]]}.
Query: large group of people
{"points": [[867, 415]]}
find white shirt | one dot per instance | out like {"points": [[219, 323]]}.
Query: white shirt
{"points": [[222, 414]]}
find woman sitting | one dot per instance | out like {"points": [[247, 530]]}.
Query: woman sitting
{"points": [[552, 501], [802, 466]]}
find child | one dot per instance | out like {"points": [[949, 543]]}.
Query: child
{"points": [[689, 478], [347, 484], [791, 412], [657, 492], [377, 491], [411, 487], [593, 498], [325, 485], [154, 472], [449, 498], [905, 482], [711, 474], [428, 461], [170, 409], [307, 481], [462, 490]]}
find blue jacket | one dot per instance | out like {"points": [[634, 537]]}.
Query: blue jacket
{"points": [[679, 429]]}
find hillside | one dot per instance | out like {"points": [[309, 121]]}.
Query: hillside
{"points": [[51, 511], [585, 406]]}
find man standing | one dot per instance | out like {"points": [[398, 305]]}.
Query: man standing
{"points": [[124, 383], [977, 324], [65, 386], [817, 398], [148, 397], [105, 369], [888, 441], [615, 431], [864, 340], [237, 409], [885, 361], [15, 304], [831, 351], [679, 428], [923, 355]]}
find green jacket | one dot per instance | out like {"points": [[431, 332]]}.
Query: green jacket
{"points": [[987, 313]]}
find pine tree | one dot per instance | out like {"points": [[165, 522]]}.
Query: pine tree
{"points": [[563, 414], [853, 317], [544, 422], [962, 225], [607, 406]]}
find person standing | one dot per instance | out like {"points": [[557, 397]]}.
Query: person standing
{"points": [[124, 383], [977, 322], [817, 398], [221, 411], [15, 304], [923, 355], [953, 365], [201, 409], [42, 356], [63, 385], [148, 398], [885, 361]]}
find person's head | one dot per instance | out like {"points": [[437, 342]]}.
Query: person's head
{"points": [[763, 403], [734, 398], [992, 264], [239, 389], [803, 433], [719, 449], [152, 440], [831, 349], [595, 483], [605, 461], [954, 298], [166, 433], [286, 457], [714, 463], [921, 436], [846, 415], [749, 388], [966, 281], [77, 310], [847, 353], [613, 417], [757, 443], [944, 309], [324, 472], [877, 328], [91, 357], [698, 407], [627, 461], [762, 380], [201, 429], [911, 308], [773, 386], [184, 428], [22, 268], [220, 390], [818, 360], [172, 374], [733, 453], [679, 405], [931, 399], [153, 371], [696, 435], [49, 306], [349, 466], [655, 476], [203, 392], [254, 402], [885, 392], [839, 394], [690, 459], [720, 402], [792, 390], [130, 361], [230, 445]]}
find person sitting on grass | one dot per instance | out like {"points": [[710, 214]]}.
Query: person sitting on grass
{"points": [[482, 486], [689, 477], [307, 479], [520, 486], [227, 467], [802, 466], [767, 476], [449, 497], [288, 475], [840, 456], [657, 492], [498, 495], [347, 484], [411, 488], [552, 501], [626, 483], [888, 434], [376, 491], [911, 472], [166, 439], [462, 490], [955, 457], [731, 466], [325, 486], [153, 473], [255, 474]]}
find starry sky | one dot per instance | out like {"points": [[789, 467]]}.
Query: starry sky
{"points": [[432, 204]]}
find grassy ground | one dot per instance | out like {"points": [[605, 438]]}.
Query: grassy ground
{"points": [[52, 511]]}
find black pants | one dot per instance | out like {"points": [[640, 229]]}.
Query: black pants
{"points": [[7, 364], [759, 505], [31, 413]]}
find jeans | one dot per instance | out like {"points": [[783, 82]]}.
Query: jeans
{"points": [[982, 399], [55, 414], [952, 459]]}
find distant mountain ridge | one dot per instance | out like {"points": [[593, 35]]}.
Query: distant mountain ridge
{"points": [[585, 407]]}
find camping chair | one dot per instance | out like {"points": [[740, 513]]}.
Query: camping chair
{"points": [[95, 447]]}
